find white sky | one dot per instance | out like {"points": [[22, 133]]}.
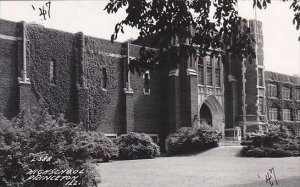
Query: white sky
{"points": [[281, 46]]}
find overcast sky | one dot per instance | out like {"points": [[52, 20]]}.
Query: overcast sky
{"points": [[281, 46]]}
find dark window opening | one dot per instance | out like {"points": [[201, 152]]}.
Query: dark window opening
{"points": [[104, 78], [146, 83], [260, 77], [200, 72], [218, 77], [209, 76]]}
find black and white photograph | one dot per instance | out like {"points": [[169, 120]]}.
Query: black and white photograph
{"points": [[150, 93]]}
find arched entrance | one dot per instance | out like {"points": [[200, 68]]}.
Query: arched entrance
{"points": [[205, 115], [211, 112]]}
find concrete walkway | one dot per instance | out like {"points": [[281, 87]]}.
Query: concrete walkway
{"points": [[220, 166]]}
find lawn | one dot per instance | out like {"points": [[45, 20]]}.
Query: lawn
{"points": [[220, 166]]}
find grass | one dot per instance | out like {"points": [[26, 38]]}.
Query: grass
{"points": [[220, 166]]}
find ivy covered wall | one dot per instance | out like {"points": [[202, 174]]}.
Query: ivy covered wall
{"points": [[46, 46], [106, 101], [282, 80]]}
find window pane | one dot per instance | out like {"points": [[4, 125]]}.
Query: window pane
{"points": [[260, 77], [272, 90], [201, 74], [286, 93], [218, 62], [298, 93], [200, 71], [286, 114], [209, 76], [104, 78], [146, 82], [273, 114], [218, 77], [261, 105], [210, 61]]}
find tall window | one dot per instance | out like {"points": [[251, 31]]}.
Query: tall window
{"points": [[104, 78], [287, 115], [260, 77], [218, 72], [272, 90], [209, 72], [286, 93], [273, 114], [297, 93], [52, 72], [146, 83], [298, 115], [261, 105], [200, 72]]}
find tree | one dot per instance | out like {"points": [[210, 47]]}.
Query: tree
{"points": [[162, 20]]}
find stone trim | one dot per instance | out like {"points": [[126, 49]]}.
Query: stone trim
{"points": [[21, 81], [12, 38], [174, 72], [191, 72]]}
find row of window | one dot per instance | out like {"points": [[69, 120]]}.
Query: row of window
{"points": [[286, 114], [104, 78], [286, 92], [209, 72]]}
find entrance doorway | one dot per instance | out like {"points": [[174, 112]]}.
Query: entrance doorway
{"points": [[211, 112], [205, 115]]}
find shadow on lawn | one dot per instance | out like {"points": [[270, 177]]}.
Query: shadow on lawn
{"points": [[192, 153]]}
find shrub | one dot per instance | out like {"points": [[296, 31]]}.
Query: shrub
{"points": [[136, 146], [191, 139], [33, 134], [276, 143], [92, 145]]}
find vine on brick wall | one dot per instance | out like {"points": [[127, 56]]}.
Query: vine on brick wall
{"points": [[45, 45]]}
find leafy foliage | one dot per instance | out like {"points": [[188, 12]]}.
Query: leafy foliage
{"points": [[136, 146], [200, 25], [191, 139], [277, 143], [33, 134], [92, 145]]}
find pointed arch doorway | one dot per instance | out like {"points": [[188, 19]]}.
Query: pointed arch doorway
{"points": [[211, 112]]}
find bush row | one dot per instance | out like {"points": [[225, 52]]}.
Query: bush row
{"points": [[277, 143], [36, 134], [32, 136], [191, 139]]}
